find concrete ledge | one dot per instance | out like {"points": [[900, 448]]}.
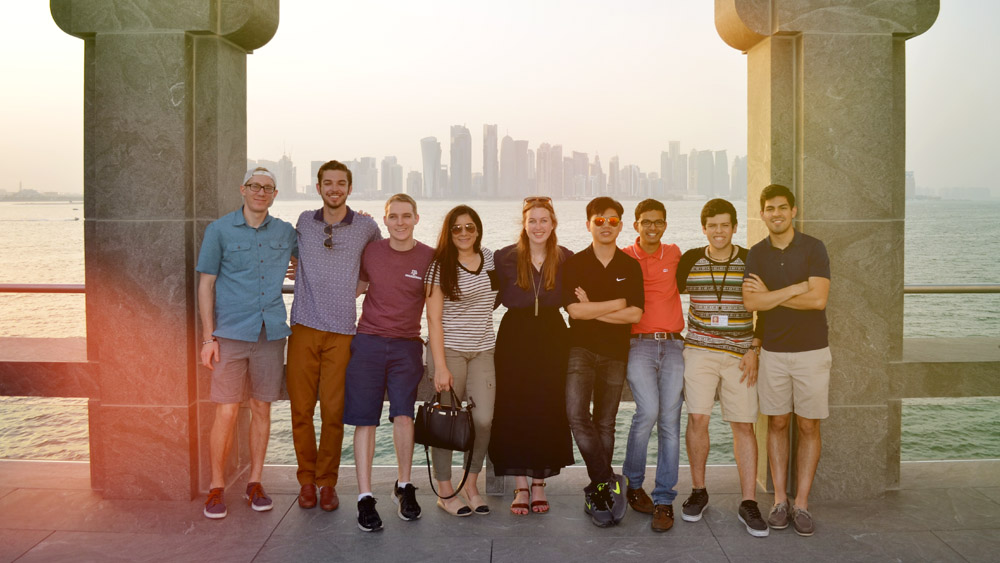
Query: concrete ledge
{"points": [[946, 367]]}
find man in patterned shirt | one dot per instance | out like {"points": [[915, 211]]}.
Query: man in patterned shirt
{"points": [[330, 240], [720, 355]]}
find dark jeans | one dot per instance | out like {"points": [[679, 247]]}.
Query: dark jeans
{"points": [[593, 375]]}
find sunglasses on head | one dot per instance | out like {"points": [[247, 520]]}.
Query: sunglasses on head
{"points": [[469, 228], [612, 221], [537, 198]]}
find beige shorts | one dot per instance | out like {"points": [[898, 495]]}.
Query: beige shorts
{"points": [[707, 373], [796, 382]]}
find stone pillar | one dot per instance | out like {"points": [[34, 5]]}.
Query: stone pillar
{"points": [[826, 117], [164, 149]]}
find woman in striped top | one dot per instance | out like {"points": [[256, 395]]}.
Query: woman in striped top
{"points": [[461, 288]]}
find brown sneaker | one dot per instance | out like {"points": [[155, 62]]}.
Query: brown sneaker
{"points": [[663, 517], [307, 496], [639, 501], [328, 499]]}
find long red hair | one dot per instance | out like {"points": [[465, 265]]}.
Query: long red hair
{"points": [[552, 255]]}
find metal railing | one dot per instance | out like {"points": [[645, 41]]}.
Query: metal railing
{"points": [[289, 288]]}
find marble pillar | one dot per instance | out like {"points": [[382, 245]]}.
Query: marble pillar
{"points": [[826, 117], [164, 152]]}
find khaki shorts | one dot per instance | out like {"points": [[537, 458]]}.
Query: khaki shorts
{"points": [[248, 369], [707, 373], [796, 382]]}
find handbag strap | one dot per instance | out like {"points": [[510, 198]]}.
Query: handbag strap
{"points": [[430, 477]]}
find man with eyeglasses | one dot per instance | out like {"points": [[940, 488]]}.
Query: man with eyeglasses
{"points": [[241, 265], [324, 312], [603, 294], [655, 371]]}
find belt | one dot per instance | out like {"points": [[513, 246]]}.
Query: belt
{"points": [[659, 336]]}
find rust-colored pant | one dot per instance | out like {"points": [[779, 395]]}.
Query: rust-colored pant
{"points": [[317, 361]]}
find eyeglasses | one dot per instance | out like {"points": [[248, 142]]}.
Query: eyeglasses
{"points": [[469, 228], [659, 223], [255, 187], [537, 198], [612, 221], [328, 230]]}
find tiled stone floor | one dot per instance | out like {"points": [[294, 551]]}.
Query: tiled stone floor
{"points": [[945, 511]]}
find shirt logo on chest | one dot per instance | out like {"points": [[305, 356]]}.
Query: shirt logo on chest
{"points": [[619, 279], [414, 275]]}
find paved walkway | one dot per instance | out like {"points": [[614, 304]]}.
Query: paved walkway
{"points": [[945, 511]]}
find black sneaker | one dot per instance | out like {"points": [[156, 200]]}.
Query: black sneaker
{"points": [[750, 516], [600, 506], [406, 499], [619, 503], [695, 505], [368, 518], [588, 502]]}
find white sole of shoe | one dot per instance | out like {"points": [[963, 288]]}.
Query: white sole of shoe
{"points": [[399, 511], [755, 533], [693, 517]]}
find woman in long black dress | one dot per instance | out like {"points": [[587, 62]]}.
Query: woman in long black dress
{"points": [[531, 436]]}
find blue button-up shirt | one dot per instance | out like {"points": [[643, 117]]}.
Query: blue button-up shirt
{"points": [[327, 278], [250, 266]]}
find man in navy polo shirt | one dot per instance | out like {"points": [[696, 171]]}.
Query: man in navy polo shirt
{"points": [[242, 264], [603, 293], [324, 312], [787, 280]]}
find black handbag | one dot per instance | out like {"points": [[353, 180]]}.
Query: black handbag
{"points": [[448, 427]]}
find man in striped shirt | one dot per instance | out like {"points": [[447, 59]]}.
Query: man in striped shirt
{"points": [[720, 354]]}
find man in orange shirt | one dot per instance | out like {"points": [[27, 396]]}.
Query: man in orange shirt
{"points": [[655, 371]]}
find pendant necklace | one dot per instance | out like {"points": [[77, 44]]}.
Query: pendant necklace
{"points": [[535, 288]]}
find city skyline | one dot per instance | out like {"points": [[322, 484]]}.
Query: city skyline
{"points": [[620, 82]]}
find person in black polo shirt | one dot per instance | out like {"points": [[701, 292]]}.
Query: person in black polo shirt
{"points": [[787, 280], [603, 293]]}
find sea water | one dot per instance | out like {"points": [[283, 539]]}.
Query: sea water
{"points": [[947, 242]]}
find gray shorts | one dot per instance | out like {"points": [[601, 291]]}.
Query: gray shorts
{"points": [[248, 369]]}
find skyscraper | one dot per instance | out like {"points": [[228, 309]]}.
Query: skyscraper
{"points": [[430, 150], [614, 178], [596, 178], [392, 176], [720, 176], [414, 184], [666, 171], [508, 168], [521, 162], [490, 165], [461, 163], [738, 179]]}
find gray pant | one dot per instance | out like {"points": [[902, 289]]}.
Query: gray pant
{"points": [[473, 376]]}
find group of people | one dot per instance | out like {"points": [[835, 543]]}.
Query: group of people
{"points": [[537, 384]]}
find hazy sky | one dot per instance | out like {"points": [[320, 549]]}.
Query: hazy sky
{"points": [[350, 79]]}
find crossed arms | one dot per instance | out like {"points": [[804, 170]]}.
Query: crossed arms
{"points": [[807, 295], [615, 311]]}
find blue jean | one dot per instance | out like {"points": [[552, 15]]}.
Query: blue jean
{"points": [[656, 377], [590, 375]]}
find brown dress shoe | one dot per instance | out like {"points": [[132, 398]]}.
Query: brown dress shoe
{"points": [[307, 496], [639, 501], [328, 499], [663, 517]]}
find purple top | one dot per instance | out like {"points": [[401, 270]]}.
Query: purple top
{"points": [[512, 296], [395, 297], [327, 278]]}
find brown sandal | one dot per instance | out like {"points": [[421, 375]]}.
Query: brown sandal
{"points": [[542, 504], [520, 505]]}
